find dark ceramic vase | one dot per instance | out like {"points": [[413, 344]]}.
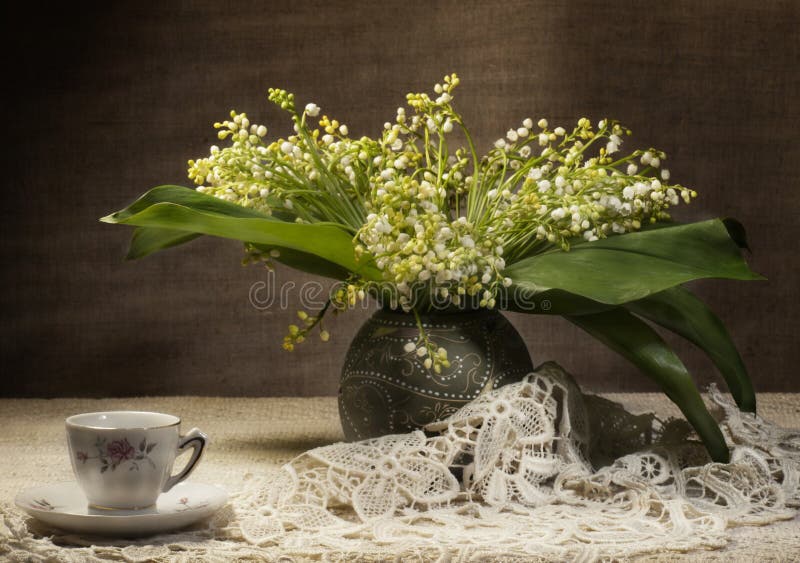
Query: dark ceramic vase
{"points": [[386, 390]]}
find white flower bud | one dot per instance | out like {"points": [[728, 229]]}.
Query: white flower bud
{"points": [[312, 110]]}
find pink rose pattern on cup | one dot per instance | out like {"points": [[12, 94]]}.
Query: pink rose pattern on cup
{"points": [[118, 452]]}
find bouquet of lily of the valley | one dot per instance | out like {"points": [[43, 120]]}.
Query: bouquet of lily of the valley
{"points": [[550, 220]]}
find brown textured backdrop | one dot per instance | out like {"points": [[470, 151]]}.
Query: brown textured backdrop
{"points": [[105, 103]]}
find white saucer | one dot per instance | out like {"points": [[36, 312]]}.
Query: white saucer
{"points": [[64, 506]]}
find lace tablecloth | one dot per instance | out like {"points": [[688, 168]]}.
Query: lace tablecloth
{"points": [[249, 436]]}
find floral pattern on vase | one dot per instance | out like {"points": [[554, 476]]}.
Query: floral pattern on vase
{"points": [[385, 389]]}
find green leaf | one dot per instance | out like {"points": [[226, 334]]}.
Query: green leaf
{"points": [[183, 209], [549, 302], [627, 267], [640, 344], [180, 195], [306, 262], [678, 310], [147, 240], [737, 232]]}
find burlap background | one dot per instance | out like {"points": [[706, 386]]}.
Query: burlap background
{"points": [[107, 101]]}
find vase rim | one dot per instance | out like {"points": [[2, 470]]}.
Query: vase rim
{"points": [[449, 312]]}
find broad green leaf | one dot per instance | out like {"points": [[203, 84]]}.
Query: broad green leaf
{"points": [[147, 240], [737, 232], [308, 263], [549, 302], [188, 197], [182, 209], [678, 310], [640, 344], [627, 267]]}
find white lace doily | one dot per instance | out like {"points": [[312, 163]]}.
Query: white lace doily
{"points": [[532, 470]]}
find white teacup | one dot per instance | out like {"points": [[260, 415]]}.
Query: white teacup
{"points": [[123, 459]]}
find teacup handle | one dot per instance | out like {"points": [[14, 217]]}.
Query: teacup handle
{"points": [[197, 441]]}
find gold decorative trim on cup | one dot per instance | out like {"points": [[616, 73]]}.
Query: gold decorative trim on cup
{"points": [[112, 509]]}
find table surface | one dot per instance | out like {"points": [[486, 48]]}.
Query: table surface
{"points": [[251, 434]]}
